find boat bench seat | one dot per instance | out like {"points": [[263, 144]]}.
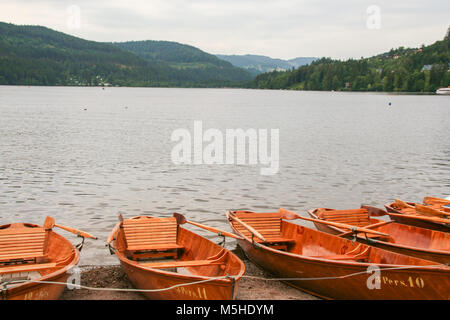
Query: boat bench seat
{"points": [[268, 225], [155, 235], [26, 268], [181, 264], [22, 244], [275, 240], [341, 257], [355, 217]]}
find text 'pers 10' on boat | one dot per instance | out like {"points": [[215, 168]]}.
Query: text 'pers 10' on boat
{"points": [[333, 267], [413, 241], [430, 216], [32, 257], [158, 254]]}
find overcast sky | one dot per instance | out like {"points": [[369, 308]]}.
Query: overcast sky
{"points": [[280, 29]]}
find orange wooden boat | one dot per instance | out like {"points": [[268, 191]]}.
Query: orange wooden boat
{"points": [[157, 253], [407, 213], [333, 267], [31, 255], [413, 241]]}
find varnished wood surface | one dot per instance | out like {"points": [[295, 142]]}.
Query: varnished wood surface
{"points": [[397, 214], [402, 276], [192, 255], [410, 240], [53, 261]]}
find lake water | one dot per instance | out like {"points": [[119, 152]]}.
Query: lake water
{"points": [[82, 155]]}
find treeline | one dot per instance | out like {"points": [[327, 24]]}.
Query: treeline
{"points": [[409, 70], [34, 55]]}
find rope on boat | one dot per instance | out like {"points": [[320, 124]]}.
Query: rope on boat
{"points": [[79, 286]]}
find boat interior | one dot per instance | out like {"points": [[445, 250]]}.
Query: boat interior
{"points": [[160, 243], [398, 233], [29, 252], [293, 238]]}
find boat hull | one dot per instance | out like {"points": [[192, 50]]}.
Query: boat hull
{"points": [[396, 215], [332, 267], [409, 284], [441, 257], [60, 248], [147, 279], [36, 291], [207, 282]]}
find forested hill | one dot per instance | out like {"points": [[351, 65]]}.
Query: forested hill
{"points": [[257, 64], [34, 55], [188, 60], [422, 69]]}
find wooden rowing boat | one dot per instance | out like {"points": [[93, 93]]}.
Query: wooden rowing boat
{"points": [[333, 267], [413, 241], [406, 213], [31, 255], [157, 253]]}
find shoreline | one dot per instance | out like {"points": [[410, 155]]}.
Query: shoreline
{"points": [[113, 276], [406, 93]]}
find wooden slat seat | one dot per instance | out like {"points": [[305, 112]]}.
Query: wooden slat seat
{"points": [[155, 247], [267, 224], [151, 234], [26, 267], [22, 244], [357, 217], [341, 257], [181, 264]]}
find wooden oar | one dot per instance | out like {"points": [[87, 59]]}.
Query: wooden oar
{"points": [[290, 215], [246, 226], [373, 211], [425, 218], [432, 200], [428, 211], [404, 204], [375, 225], [181, 219], [50, 223]]}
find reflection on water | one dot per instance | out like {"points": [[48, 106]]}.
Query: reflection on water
{"points": [[82, 155]]}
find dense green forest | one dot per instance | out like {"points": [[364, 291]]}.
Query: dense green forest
{"points": [[423, 69], [189, 62], [34, 55], [257, 64]]}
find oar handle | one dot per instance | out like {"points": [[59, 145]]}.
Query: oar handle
{"points": [[77, 232], [420, 217], [336, 224], [221, 232], [246, 226]]}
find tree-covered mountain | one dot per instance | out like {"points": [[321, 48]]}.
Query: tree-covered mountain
{"points": [[257, 64], [35, 55], [187, 60], [422, 69]]}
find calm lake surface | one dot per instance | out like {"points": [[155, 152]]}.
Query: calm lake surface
{"points": [[337, 150]]}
